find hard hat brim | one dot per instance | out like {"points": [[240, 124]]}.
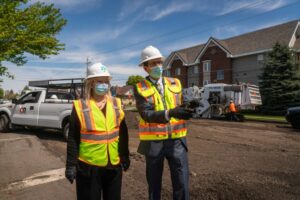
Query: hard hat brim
{"points": [[151, 58], [97, 76]]}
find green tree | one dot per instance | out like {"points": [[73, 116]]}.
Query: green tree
{"points": [[280, 80], [9, 94], [134, 79], [1, 93], [26, 88], [28, 29]]}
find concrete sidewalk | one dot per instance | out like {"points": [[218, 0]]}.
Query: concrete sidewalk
{"points": [[29, 171]]}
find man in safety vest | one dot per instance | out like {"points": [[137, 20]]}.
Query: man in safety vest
{"points": [[162, 127], [97, 148]]}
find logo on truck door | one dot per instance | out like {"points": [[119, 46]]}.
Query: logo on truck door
{"points": [[22, 109]]}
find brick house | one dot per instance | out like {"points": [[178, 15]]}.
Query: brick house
{"points": [[231, 60]]}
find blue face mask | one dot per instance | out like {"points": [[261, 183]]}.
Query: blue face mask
{"points": [[156, 72], [101, 88]]}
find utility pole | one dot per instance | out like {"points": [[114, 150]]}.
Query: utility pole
{"points": [[88, 61]]}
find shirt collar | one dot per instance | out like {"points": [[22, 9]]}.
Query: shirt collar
{"points": [[156, 81]]}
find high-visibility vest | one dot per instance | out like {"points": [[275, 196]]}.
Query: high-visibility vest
{"points": [[171, 98], [99, 133], [232, 107]]}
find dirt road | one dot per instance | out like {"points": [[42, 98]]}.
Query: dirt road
{"points": [[228, 160]]}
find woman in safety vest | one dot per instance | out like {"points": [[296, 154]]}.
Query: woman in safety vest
{"points": [[97, 148]]}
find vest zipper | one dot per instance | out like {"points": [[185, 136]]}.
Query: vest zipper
{"points": [[165, 108]]}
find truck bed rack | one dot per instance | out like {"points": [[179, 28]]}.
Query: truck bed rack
{"points": [[57, 83]]}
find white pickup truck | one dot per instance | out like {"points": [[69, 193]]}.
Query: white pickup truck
{"points": [[46, 108]]}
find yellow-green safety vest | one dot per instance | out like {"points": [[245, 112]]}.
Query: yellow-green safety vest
{"points": [[99, 133], [175, 128]]}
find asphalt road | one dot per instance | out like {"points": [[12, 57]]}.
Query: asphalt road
{"points": [[29, 170]]}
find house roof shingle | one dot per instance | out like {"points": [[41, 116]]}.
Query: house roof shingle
{"points": [[263, 39]]}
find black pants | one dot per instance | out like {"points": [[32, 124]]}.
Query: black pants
{"points": [[234, 117], [176, 154], [99, 182]]}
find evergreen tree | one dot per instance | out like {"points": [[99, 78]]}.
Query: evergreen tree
{"points": [[280, 80]]}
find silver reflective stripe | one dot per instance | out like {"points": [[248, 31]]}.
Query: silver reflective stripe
{"points": [[100, 137], [152, 129], [178, 126], [117, 111], [162, 129], [86, 113], [177, 99], [144, 86]]}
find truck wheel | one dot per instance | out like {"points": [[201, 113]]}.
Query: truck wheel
{"points": [[66, 130], [4, 123]]}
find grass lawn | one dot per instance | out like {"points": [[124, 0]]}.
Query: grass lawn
{"points": [[265, 117]]}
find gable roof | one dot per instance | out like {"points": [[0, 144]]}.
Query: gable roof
{"points": [[249, 43], [263, 39], [187, 55], [217, 42]]}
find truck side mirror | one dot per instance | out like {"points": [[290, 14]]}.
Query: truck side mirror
{"points": [[14, 101]]}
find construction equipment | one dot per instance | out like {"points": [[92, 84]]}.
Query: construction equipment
{"points": [[214, 98]]}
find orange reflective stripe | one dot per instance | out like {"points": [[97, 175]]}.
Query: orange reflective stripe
{"points": [[153, 133], [144, 85], [117, 112], [99, 141], [152, 124], [82, 115]]}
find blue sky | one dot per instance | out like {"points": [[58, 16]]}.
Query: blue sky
{"points": [[115, 32]]}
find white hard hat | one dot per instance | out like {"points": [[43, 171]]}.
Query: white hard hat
{"points": [[149, 53], [97, 70]]}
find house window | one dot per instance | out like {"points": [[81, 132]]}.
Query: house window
{"points": [[167, 73], [206, 66], [177, 71], [220, 74], [260, 57], [205, 82], [195, 70]]}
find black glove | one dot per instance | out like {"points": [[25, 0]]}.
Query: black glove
{"points": [[194, 104], [70, 173], [180, 113], [191, 105], [125, 163]]}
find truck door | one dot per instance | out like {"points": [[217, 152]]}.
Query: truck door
{"points": [[26, 109]]}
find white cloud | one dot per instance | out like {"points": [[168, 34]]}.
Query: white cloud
{"points": [[259, 5], [158, 11], [131, 6], [173, 8]]}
